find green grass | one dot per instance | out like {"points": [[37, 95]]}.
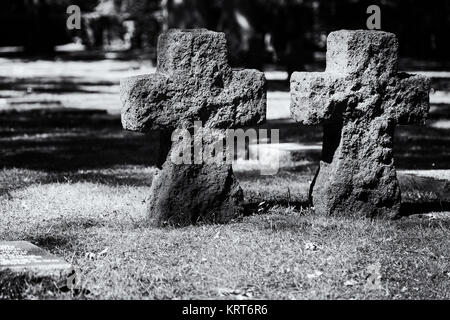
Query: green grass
{"points": [[96, 220]]}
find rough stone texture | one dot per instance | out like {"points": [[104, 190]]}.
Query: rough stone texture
{"points": [[193, 82], [186, 194], [359, 99]]}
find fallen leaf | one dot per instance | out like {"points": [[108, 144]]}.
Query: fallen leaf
{"points": [[314, 275], [310, 246], [350, 283], [238, 294], [90, 255], [373, 280], [103, 252]]}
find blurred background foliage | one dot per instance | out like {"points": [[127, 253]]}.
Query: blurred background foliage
{"points": [[283, 32]]}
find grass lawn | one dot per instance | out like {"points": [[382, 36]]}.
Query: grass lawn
{"points": [[73, 182], [96, 221]]}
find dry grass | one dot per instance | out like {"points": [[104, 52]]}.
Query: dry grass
{"points": [[281, 253], [61, 197]]}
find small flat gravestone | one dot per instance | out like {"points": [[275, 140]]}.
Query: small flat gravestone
{"points": [[23, 263], [193, 82], [359, 99]]}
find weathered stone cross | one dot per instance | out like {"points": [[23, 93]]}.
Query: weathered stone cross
{"points": [[359, 100], [193, 82]]}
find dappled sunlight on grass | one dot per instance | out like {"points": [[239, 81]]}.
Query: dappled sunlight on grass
{"points": [[284, 252], [75, 183]]}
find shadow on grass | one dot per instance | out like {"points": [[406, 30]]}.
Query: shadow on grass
{"points": [[415, 147], [251, 208], [406, 209], [52, 241], [79, 145], [55, 85], [412, 208], [422, 221], [64, 139], [64, 234], [418, 147]]}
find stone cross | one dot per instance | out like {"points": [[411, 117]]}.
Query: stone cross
{"points": [[359, 99], [193, 82]]}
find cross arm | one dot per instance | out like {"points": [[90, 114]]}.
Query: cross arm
{"points": [[314, 96], [412, 101], [143, 102], [155, 101]]}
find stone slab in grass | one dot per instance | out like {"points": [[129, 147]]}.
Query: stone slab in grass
{"points": [[25, 267]]}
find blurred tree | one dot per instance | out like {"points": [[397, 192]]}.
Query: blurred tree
{"points": [[102, 23], [422, 27], [258, 31], [291, 26], [140, 21], [148, 21], [37, 25]]}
